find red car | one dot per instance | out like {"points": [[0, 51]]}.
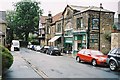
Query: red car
{"points": [[94, 57]]}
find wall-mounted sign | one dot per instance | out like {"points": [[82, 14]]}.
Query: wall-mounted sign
{"points": [[95, 23]]}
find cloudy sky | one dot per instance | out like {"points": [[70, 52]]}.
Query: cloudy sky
{"points": [[56, 6]]}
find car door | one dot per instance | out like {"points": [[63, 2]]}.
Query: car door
{"points": [[87, 56]]}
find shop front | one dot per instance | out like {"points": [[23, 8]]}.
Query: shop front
{"points": [[68, 43], [79, 41]]}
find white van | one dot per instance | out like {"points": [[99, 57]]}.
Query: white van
{"points": [[15, 45]]}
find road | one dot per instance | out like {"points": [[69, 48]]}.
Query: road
{"points": [[47, 66]]}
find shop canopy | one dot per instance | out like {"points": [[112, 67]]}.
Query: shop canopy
{"points": [[54, 39]]}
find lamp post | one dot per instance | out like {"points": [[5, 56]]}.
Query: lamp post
{"points": [[62, 37], [99, 24]]}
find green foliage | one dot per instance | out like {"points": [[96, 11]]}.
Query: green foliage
{"points": [[114, 27], [105, 51], [24, 19], [11, 25], [7, 58], [107, 36], [33, 39], [27, 16]]}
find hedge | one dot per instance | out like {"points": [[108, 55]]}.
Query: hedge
{"points": [[7, 58]]}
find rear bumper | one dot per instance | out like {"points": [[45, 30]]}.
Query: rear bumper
{"points": [[16, 49]]}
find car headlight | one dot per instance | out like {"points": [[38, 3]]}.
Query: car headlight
{"points": [[101, 59]]}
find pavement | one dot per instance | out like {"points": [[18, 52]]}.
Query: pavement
{"points": [[20, 69], [69, 55]]}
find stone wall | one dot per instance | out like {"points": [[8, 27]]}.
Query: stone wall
{"points": [[115, 40]]}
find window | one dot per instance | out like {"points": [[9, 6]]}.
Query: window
{"points": [[94, 36], [79, 23], [118, 52], [82, 51], [68, 33], [113, 51], [95, 23], [87, 52], [59, 27]]}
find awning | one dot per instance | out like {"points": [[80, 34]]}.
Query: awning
{"points": [[54, 39]]}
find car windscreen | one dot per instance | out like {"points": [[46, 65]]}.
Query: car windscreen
{"points": [[55, 48], [94, 52]]}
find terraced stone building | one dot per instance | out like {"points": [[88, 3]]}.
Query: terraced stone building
{"points": [[80, 27]]}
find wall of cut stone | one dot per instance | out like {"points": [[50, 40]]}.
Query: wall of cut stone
{"points": [[115, 40]]}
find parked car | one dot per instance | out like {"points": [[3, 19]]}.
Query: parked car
{"points": [[94, 57], [37, 48], [53, 51], [113, 59], [15, 45], [30, 46], [44, 49]]}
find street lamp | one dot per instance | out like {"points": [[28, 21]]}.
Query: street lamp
{"points": [[62, 37], [99, 24]]}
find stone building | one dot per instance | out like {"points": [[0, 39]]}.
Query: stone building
{"points": [[2, 27], [82, 27], [42, 24]]}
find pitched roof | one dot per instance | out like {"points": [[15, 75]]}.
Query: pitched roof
{"points": [[42, 19], [57, 17], [85, 8], [78, 8], [94, 8]]}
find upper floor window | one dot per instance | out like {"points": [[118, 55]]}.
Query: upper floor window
{"points": [[59, 27], [95, 23], [79, 22]]}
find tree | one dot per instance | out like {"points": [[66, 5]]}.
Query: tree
{"points": [[11, 25], [27, 17]]}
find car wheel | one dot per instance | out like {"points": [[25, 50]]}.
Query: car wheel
{"points": [[47, 52], [50, 52], [94, 62], [78, 59], [59, 54], [113, 65]]}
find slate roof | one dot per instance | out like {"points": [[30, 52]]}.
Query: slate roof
{"points": [[43, 19], [57, 17]]}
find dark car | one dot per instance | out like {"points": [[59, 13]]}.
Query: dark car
{"points": [[53, 51], [44, 49], [113, 59]]}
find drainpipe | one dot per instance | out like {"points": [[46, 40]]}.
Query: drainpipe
{"points": [[88, 33], [62, 37], [99, 24]]}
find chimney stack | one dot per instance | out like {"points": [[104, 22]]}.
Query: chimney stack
{"points": [[101, 6], [119, 12], [49, 14]]}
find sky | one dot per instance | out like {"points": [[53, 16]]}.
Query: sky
{"points": [[56, 6]]}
